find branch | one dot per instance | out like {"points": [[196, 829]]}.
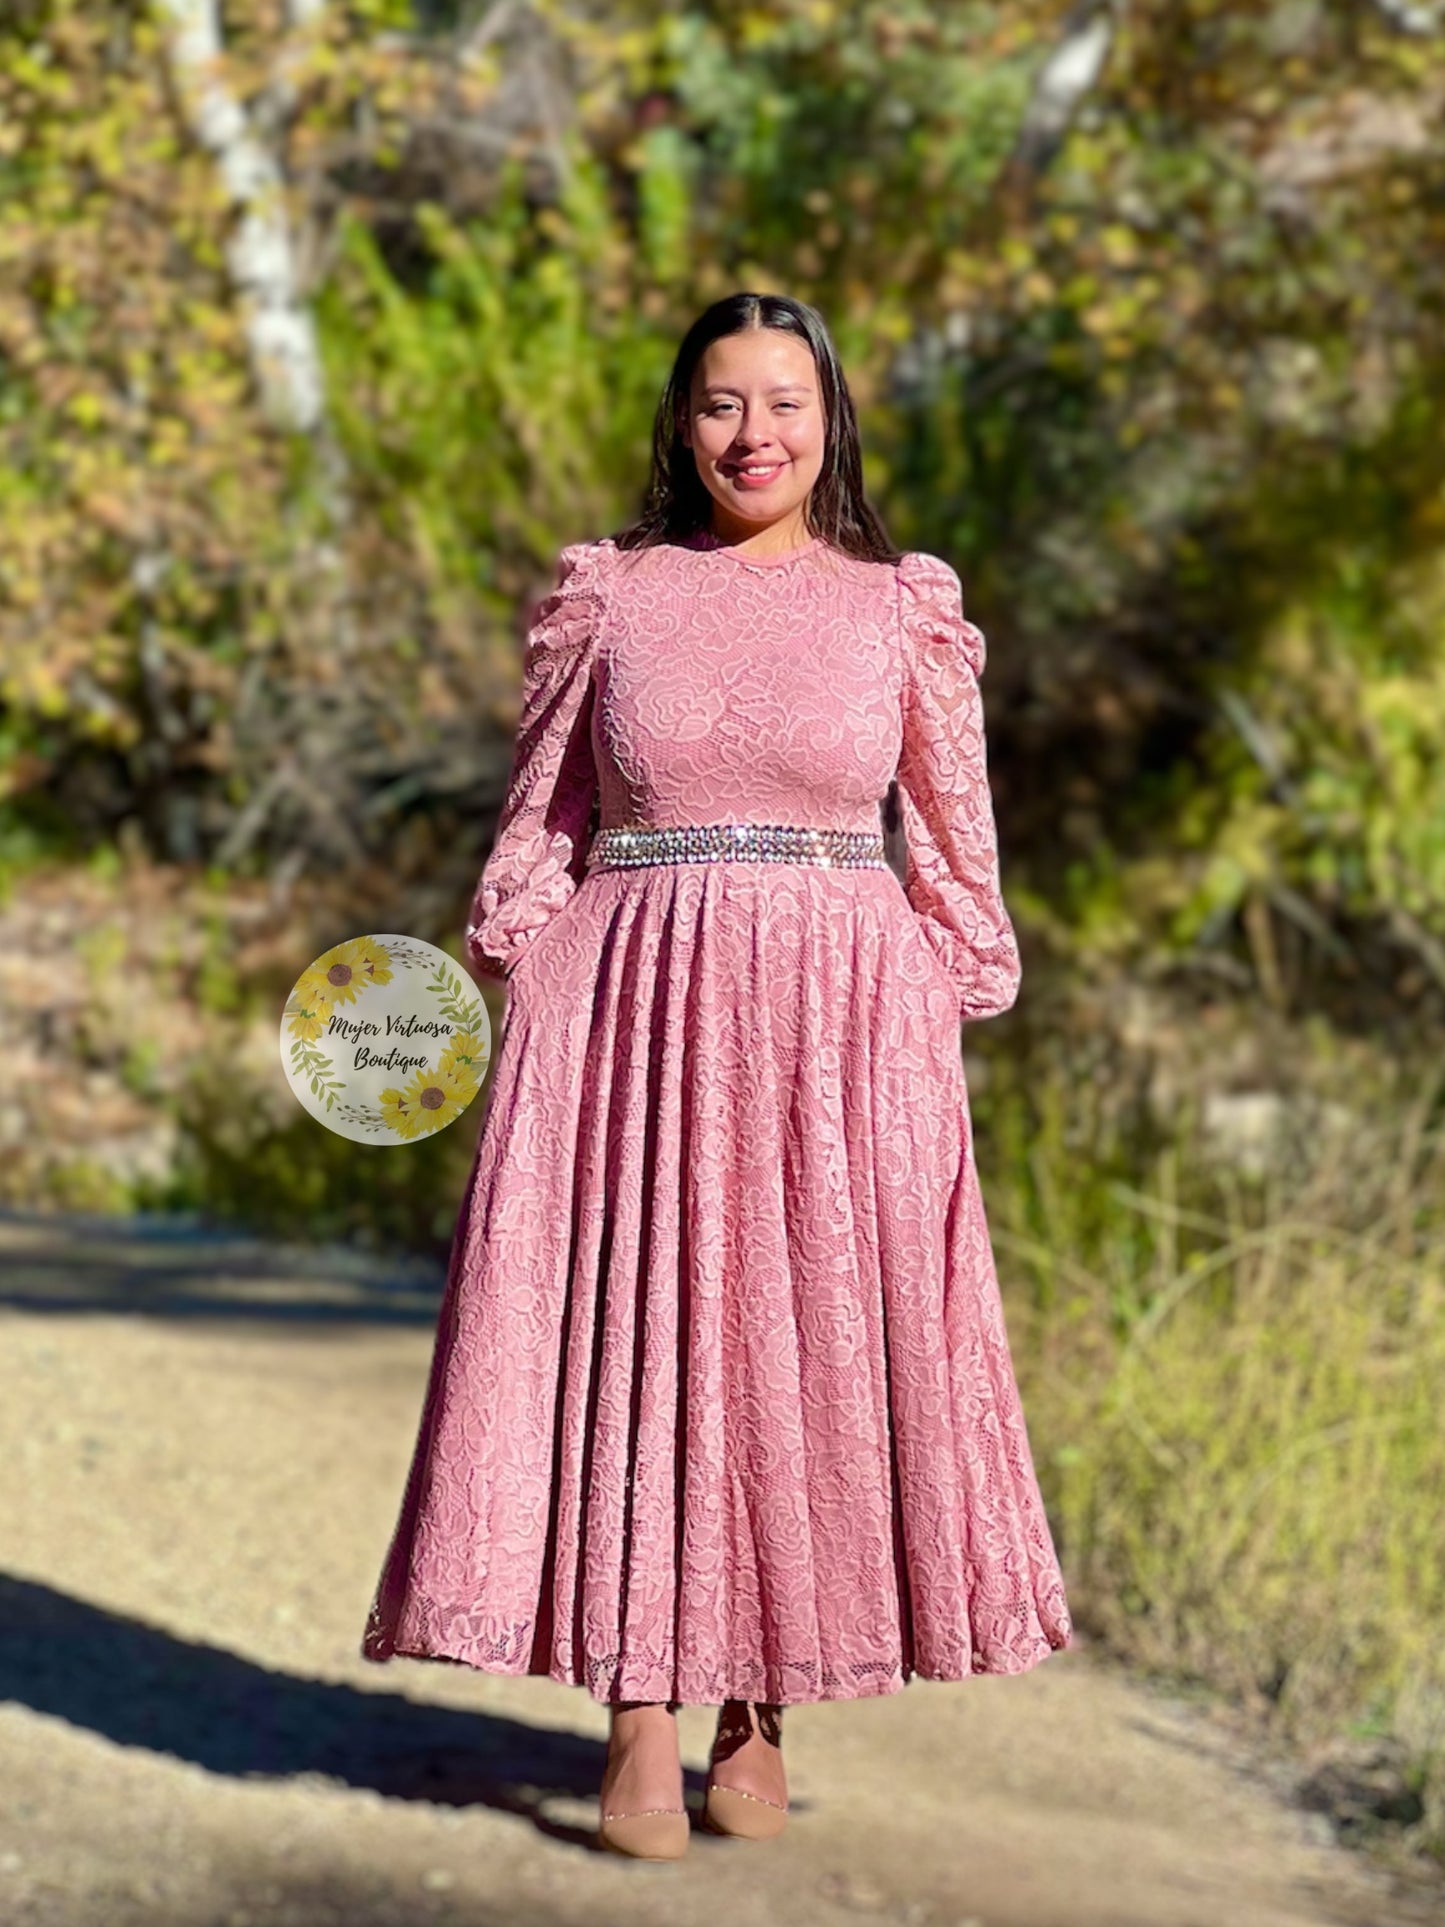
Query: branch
{"points": [[1404, 17], [1063, 83]]}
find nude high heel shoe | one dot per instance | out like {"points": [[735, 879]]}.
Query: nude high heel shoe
{"points": [[654, 1833], [660, 1833], [729, 1810]]}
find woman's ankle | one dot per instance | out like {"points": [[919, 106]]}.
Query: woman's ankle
{"points": [[628, 1717], [644, 1770]]}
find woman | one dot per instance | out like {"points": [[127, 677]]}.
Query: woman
{"points": [[722, 1410]]}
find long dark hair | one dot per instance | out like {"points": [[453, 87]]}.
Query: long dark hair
{"points": [[678, 504]]}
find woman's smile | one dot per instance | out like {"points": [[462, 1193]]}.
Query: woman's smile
{"points": [[752, 475]]}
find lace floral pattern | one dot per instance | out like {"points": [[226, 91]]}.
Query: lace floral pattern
{"points": [[721, 1404]]}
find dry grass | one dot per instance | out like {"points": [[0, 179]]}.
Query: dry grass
{"points": [[1244, 1380]]}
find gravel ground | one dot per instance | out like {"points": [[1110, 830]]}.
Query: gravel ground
{"points": [[205, 1441]]}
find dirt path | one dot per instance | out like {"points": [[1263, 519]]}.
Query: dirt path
{"points": [[204, 1444]]}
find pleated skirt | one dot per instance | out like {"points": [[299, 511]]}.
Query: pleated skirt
{"points": [[721, 1404]]}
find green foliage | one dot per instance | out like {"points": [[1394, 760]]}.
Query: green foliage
{"points": [[1190, 475], [1317, 787], [493, 407]]}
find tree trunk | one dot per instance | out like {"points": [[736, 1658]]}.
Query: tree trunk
{"points": [[260, 255]]}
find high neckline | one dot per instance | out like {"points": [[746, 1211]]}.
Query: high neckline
{"points": [[705, 540]]}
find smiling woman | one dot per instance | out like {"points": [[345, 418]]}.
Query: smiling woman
{"points": [[757, 432], [722, 1409]]}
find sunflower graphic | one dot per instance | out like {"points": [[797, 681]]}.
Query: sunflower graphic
{"points": [[431, 1100], [345, 971], [465, 1053], [310, 1007]]}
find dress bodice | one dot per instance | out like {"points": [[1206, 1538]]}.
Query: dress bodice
{"points": [[687, 683], [730, 690]]}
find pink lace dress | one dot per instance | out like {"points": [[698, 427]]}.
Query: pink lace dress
{"points": [[721, 1404]]}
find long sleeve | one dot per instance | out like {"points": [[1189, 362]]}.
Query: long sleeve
{"points": [[537, 856], [952, 866]]}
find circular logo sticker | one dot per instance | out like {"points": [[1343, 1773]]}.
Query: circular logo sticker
{"points": [[385, 1039]]}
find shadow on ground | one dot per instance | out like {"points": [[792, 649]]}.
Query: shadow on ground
{"points": [[139, 1686], [179, 1266]]}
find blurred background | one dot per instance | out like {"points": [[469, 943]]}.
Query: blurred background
{"points": [[323, 326]]}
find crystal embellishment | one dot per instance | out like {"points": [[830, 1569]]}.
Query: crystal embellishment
{"points": [[634, 844]]}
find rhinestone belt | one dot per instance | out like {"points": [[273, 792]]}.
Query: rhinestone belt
{"points": [[633, 844]]}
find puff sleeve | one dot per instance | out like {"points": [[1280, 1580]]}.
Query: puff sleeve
{"points": [[952, 866], [538, 853]]}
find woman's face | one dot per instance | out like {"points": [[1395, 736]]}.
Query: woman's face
{"points": [[755, 405]]}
